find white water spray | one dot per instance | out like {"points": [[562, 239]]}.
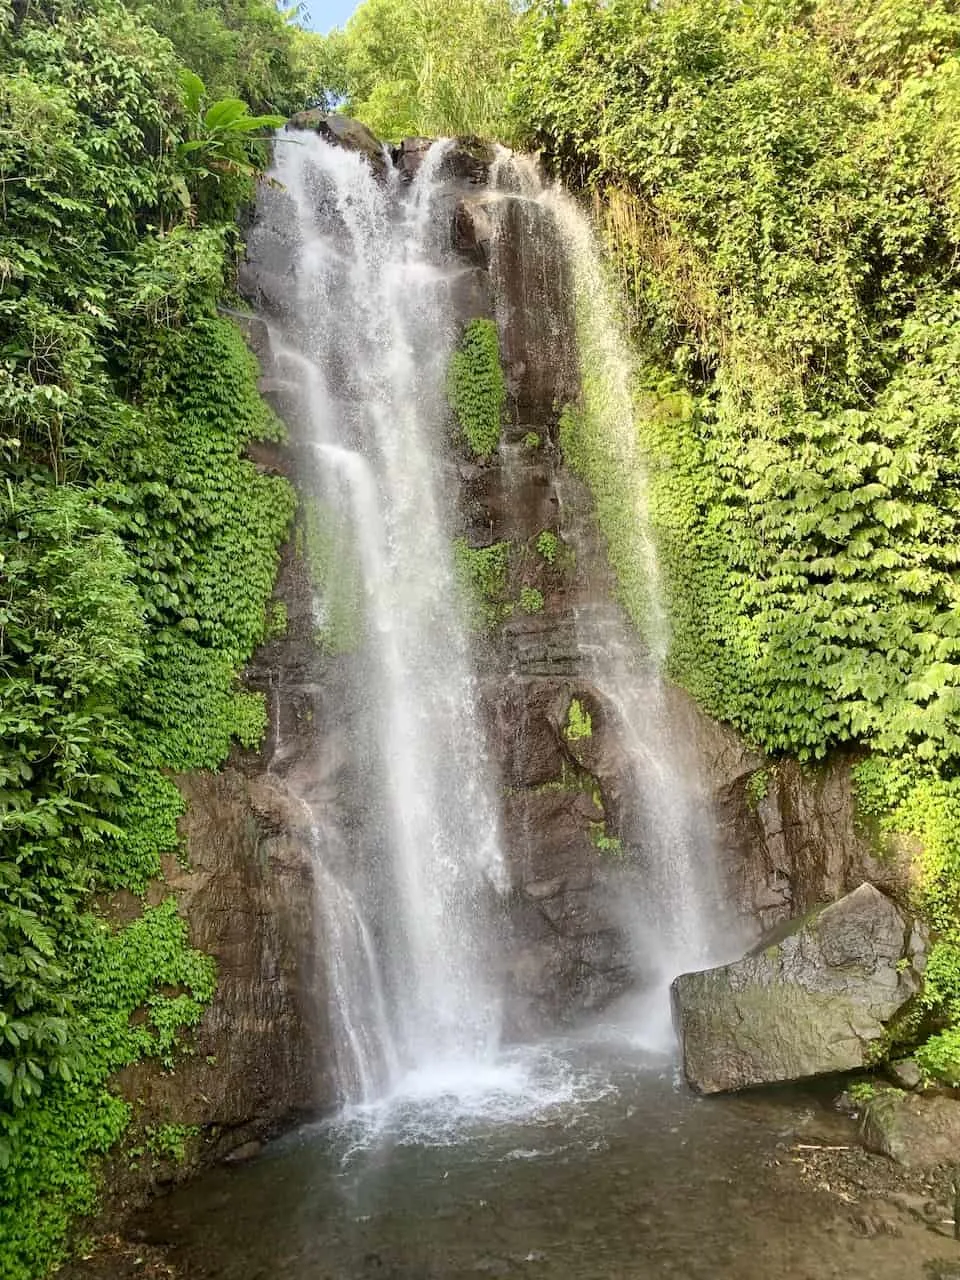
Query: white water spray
{"points": [[369, 331]]}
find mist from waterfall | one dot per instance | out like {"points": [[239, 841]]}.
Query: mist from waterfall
{"points": [[407, 913]]}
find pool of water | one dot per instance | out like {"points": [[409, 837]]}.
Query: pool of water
{"points": [[587, 1161]]}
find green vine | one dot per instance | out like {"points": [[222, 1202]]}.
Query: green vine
{"points": [[531, 600], [605, 842], [481, 574], [758, 786], [476, 388], [170, 1141], [548, 545]]}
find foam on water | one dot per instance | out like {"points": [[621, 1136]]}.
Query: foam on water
{"points": [[454, 1104]]}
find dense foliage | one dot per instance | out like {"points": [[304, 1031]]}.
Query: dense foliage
{"points": [[482, 575], [778, 184], [137, 545], [432, 68], [476, 387]]}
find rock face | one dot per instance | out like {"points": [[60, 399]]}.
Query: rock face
{"points": [[914, 1130], [246, 892], [344, 132], [810, 1000], [790, 838], [246, 885]]}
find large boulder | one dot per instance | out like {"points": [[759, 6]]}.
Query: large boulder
{"points": [[810, 1000]]}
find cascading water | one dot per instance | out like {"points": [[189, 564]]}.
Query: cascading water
{"points": [[677, 921], [367, 337], [409, 882]]}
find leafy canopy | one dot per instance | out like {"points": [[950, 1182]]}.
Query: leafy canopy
{"points": [[429, 68]]}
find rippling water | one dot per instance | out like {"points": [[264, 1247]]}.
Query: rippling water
{"points": [[575, 1159]]}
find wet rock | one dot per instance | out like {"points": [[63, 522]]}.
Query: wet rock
{"points": [[906, 1073], [599, 750], [467, 160], [246, 892], [519, 498], [523, 730], [568, 953], [343, 132], [790, 839], [473, 228], [534, 316], [916, 1131], [408, 156], [810, 1000]]}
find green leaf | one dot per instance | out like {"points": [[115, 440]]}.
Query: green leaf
{"points": [[193, 91], [224, 114]]}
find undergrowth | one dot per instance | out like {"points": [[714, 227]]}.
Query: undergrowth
{"points": [[138, 550]]}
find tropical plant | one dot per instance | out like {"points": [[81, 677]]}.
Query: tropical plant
{"points": [[220, 142], [429, 68]]}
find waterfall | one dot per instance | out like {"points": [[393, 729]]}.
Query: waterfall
{"points": [[425, 963], [677, 920], [406, 914]]}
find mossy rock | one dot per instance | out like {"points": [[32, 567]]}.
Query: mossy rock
{"points": [[814, 998]]}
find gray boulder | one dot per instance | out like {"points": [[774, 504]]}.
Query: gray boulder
{"points": [[916, 1131], [811, 999]]}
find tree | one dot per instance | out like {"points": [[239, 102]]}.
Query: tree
{"points": [[425, 67]]}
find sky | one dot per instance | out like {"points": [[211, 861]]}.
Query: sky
{"points": [[324, 14]]}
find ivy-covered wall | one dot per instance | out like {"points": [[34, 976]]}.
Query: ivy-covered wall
{"points": [[138, 549], [777, 184]]}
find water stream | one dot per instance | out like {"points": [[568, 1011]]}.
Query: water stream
{"points": [[369, 332], [678, 921], [409, 915]]}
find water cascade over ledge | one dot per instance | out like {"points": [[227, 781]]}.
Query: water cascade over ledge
{"points": [[677, 921], [478, 880], [405, 911]]}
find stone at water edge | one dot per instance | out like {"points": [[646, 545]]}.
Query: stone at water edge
{"points": [[811, 999], [916, 1131]]}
